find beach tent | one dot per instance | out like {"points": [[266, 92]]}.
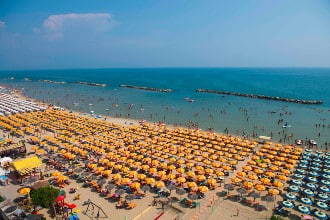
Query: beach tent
{"points": [[27, 165], [5, 160]]}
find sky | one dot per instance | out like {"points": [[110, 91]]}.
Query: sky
{"points": [[47, 34]]}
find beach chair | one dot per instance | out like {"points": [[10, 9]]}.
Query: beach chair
{"points": [[77, 197], [131, 206]]}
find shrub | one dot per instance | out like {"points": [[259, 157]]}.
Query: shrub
{"points": [[44, 196]]}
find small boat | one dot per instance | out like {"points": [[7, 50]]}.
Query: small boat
{"points": [[186, 98], [191, 100], [298, 142], [312, 142], [286, 125]]}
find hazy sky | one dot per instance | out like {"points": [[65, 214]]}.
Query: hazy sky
{"points": [[43, 34]]}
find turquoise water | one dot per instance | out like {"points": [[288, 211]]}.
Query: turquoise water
{"points": [[209, 111]]}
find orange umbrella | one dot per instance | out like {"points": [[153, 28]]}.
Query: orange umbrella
{"points": [[247, 168], [258, 171], [24, 191], [171, 176], [56, 174], [241, 173], [190, 174], [265, 180], [135, 185], [248, 185], [273, 191], [282, 177], [180, 170], [219, 173], [270, 174], [117, 176], [260, 187], [253, 177], [278, 184], [236, 180]]}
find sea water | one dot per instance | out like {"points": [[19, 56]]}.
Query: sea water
{"points": [[186, 107]]}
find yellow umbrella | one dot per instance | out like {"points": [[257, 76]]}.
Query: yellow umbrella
{"points": [[203, 189], [125, 181], [61, 178], [56, 174], [117, 176], [171, 176], [171, 167], [211, 181], [219, 173], [201, 178], [191, 184], [180, 170], [150, 180], [181, 180], [141, 176], [135, 185], [273, 191], [191, 174], [258, 171], [107, 172], [159, 184], [24, 191], [247, 168], [282, 177], [260, 187], [236, 180], [253, 177]]}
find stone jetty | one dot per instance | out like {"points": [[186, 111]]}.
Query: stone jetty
{"points": [[146, 88], [275, 98], [92, 84]]}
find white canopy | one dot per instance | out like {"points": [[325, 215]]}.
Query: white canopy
{"points": [[5, 160]]}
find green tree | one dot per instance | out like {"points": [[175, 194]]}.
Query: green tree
{"points": [[275, 217], [44, 196]]}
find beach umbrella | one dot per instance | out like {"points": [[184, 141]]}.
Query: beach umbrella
{"points": [[303, 209], [180, 191], [130, 197], [313, 174], [247, 168], [203, 189], [149, 180], [323, 196], [314, 168], [211, 181], [302, 166], [293, 188], [101, 182], [265, 180], [296, 182], [310, 186], [306, 201], [24, 190], [141, 176], [117, 176], [120, 192], [320, 215], [135, 185], [278, 184], [326, 176], [308, 192], [160, 184], [145, 188], [300, 171], [241, 191], [241, 173], [282, 177], [248, 185], [268, 198], [254, 195], [171, 176], [290, 196], [273, 191], [324, 189], [325, 182], [326, 171], [270, 174], [110, 186], [287, 204], [298, 176], [192, 196], [170, 187], [228, 187], [322, 205], [181, 180], [191, 184]]}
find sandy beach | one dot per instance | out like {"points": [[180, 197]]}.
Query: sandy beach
{"points": [[94, 143]]}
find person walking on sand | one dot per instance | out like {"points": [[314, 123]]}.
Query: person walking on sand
{"points": [[237, 212]]}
